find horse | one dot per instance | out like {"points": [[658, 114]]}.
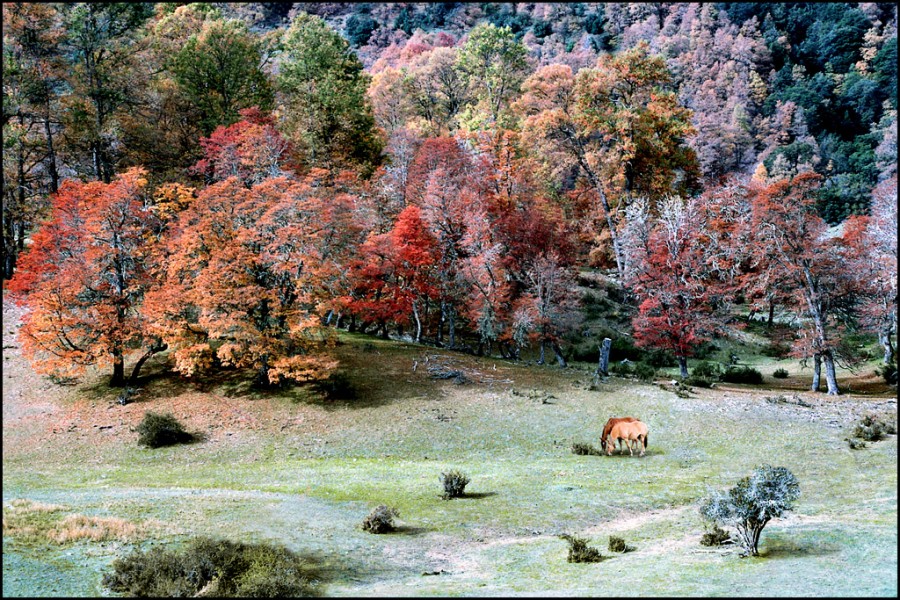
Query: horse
{"points": [[608, 427], [635, 431]]}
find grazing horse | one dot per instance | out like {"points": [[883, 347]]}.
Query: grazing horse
{"points": [[635, 431], [608, 427]]}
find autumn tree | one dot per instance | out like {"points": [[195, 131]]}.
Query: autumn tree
{"points": [[616, 127], [789, 236], [323, 87], [84, 277], [871, 259], [219, 70], [680, 271], [235, 291], [251, 150]]}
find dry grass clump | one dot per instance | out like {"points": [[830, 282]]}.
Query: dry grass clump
{"points": [[32, 521], [585, 449], [99, 529]]}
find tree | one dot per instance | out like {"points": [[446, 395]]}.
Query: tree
{"points": [[220, 71], [84, 276], [251, 150], [323, 86], [681, 271], [871, 259], [103, 42], [615, 126], [765, 494], [789, 236], [237, 288], [495, 65]]}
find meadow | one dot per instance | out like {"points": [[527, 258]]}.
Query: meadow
{"points": [[303, 468]]}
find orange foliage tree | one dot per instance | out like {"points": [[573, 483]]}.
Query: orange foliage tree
{"points": [[84, 278], [236, 287]]}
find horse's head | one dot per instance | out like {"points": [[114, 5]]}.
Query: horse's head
{"points": [[603, 443]]}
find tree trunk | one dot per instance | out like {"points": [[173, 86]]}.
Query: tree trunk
{"points": [[884, 337], [51, 153], [451, 328], [603, 367], [541, 358], [830, 375], [118, 376], [817, 371], [154, 349], [682, 365], [262, 375], [559, 355], [418, 322], [771, 314]]}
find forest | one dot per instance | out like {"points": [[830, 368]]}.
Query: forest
{"points": [[234, 183]]}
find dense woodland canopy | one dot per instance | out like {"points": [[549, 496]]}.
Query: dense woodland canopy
{"points": [[233, 181]]}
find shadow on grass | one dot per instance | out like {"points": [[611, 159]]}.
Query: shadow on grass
{"points": [[409, 530], [648, 453], [475, 495], [792, 548]]}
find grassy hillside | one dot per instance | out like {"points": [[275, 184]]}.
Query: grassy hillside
{"points": [[301, 469]]}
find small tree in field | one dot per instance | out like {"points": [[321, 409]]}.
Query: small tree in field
{"points": [[765, 494]]}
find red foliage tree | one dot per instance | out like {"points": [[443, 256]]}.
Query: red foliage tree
{"points": [[791, 237], [84, 277], [251, 150]]}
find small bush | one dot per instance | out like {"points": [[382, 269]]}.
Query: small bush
{"points": [[660, 359], [616, 544], [742, 375], [855, 444], [579, 551], [780, 373], [622, 369], [216, 568], [888, 373], [380, 520], [157, 430], [776, 351], [871, 429], [700, 382], [716, 537], [454, 483], [585, 450], [707, 370], [644, 372]]}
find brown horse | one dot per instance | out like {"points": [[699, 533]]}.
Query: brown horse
{"points": [[635, 431], [608, 427]]}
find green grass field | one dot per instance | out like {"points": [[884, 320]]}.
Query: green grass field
{"points": [[303, 471]]}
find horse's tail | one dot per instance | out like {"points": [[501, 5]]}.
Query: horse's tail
{"points": [[647, 440]]}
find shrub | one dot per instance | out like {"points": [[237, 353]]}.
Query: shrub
{"points": [[888, 373], [454, 483], [855, 444], [380, 520], [765, 494], [871, 429], [157, 430], [212, 568], [579, 551], [616, 544], [660, 358], [622, 369], [775, 350], [780, 374], [742, 375], [585, 450], [707, 370], [644, 372], [716, 537]]}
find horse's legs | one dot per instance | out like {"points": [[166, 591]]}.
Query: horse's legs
{"points": [[643, 444], [630, 446]]}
